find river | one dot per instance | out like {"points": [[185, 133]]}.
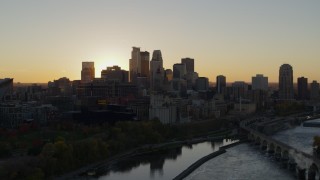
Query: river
{"points": [[244, 161], [241, 162], [299, 137], [162, 166]]}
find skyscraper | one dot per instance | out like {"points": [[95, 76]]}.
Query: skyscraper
{"points": [[302, 88], [260, 82], [138, 64], [145, 60], [189, 64], [156, 71], [135, 64], [314, 90], [220, 83], [202, 84], [179, 71], [87, 72], [286, 82]]}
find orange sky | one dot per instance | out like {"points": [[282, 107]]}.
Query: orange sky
{"points": [[43, 41]]}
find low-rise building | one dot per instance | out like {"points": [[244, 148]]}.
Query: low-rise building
{"points": [[6, 88]]}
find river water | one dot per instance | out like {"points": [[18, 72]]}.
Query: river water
{"points": [[248, 162], [299, 137], [162, 166], [241, 162]]}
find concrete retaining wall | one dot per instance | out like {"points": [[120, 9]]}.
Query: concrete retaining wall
{"points": [[197, 164], [201, 161]]}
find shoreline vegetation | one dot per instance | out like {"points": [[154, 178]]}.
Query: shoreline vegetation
{"points": [[62, 148]]}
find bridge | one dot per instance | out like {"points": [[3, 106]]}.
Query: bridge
{"points": [[305, 165]]}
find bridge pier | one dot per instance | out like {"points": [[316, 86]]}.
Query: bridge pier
{"points": [[313, 172], [311, 175], [301, 173], [292, 164], [277, 156], [285, 155]]}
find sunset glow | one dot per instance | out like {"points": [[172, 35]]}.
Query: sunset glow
{"points": [[238, 39]]}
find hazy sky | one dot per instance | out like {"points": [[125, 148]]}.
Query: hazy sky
{"points": [[43, 40]]}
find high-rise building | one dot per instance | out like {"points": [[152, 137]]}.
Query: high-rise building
{"points": [[260, 82], [179, 71], [135, 64], [87, 72], [138, 64], [286, 91], [302, 88], [240, 90], [145, 60], [156, 71], [202, 84], [115, 73], [314, 90], [221, 84], [189, 64]]}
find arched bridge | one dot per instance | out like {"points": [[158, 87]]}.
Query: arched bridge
{"points": [[306, 165]]}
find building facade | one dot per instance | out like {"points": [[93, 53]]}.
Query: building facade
{"points": [[156, 71], [189, 64], [179, 71], [286, 91], [202, 84], [259, 82], [6, 88], [302, 88], [138, 64], [314, 90], [115, 73], [221, 84], [145, 61], [87, 72], [134, 64]]}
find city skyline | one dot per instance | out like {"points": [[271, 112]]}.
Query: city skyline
{"points": [[42, 41]]}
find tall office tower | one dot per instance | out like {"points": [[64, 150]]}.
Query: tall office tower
{"points": [[135, 64], [302, 88], [156, 71], [286, 82], [314, 90], [260, 82], [87, 72], [189, 64], [221, 84], [179, 71], [145, 59]]}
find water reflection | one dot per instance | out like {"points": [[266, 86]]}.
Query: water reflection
{"points": [[241, 162], [164, 164]]}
